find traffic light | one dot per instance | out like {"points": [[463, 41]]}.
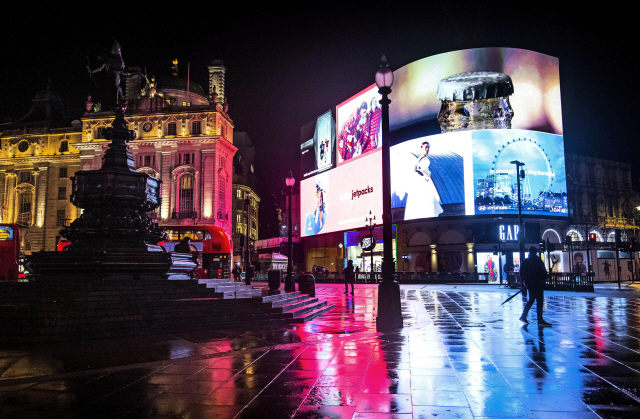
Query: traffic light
{"points": [[632, 244], [495, 250], [618, 235], [542, 247], [592, 238]]}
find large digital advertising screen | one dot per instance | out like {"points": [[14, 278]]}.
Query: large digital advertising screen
{"points": [[358, 125], [318, 146], [457, 121], [341, 198]]}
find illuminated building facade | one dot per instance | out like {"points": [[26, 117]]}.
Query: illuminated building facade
{"points": [[184, 137], [37, 159]]}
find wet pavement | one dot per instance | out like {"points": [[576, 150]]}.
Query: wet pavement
{"points": [[460, 355]]}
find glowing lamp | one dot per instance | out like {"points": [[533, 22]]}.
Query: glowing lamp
{"points": [[290, 180], [384, 76]]}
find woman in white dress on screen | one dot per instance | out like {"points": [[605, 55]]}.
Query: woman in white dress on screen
{"points": [[423, 200]]}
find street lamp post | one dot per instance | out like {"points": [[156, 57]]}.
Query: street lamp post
{"points": [[247, 262], [371, 226], [289, 284], [521, 232], [389, 309]]}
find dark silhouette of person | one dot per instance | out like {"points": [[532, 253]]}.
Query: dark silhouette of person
{"points": [[183, 246], [349, 277], [607, 272], [248, 276], [236, 274], [534, 274]]}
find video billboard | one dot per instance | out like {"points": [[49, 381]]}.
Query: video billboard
{"points": [[358, 125], [341, 198], [457, 120], [317, 150]]}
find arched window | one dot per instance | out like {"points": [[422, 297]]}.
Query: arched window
{"points": [[187, 184], [24, 211], [222, 185]]}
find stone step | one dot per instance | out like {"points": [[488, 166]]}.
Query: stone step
{"points": [[306, 309], [294, 305], [303, 318]]}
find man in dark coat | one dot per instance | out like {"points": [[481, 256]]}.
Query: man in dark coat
{"points": [[534, 274], [349, 277]]}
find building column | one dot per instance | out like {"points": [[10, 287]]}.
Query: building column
{"points": [[434, 258], [10, 197], [471, 266], [208, 161], [165, 175], [3, 203], [42, 195], [34, 198]]}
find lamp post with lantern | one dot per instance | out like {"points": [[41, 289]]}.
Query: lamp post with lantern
{"points": [[371, 219], [519, 175], [289, 284], [389, 308]]}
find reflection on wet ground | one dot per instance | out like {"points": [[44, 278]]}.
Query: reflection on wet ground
{"points": [[460, 355]]}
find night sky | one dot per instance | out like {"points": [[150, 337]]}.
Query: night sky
{"points": [[286, 66]]}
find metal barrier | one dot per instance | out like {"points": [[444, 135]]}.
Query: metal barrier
{"points": [[564, 281]]}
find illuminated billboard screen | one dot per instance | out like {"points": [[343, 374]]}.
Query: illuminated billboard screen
{"points": [[358, 125], [457, 121], [318, 145], [341, 198]]}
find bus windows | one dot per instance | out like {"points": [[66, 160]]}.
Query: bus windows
{"points": [[195, 235]]}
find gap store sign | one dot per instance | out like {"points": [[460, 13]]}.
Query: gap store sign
{"points": [[508, 232]]}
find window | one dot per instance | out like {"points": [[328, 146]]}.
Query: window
{"points": [[186, 196], [64, 146], [171, 129], [185, 159], [99, 133], [61, 218], [238, 218], [147, 161], [23, 146], [25, 177], [25, 203], [196, 128], [186, 103], [62, 173], [239, 193], [221, 194], [62, 192]]}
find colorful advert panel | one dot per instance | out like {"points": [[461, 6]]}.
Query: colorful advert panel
{"points": [[341, 198], [317, 153], [358, 125], [530, 82], [470, 173]]}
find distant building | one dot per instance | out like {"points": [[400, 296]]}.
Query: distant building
{"points": [[602, 198], [37, 158], [244, 184]]}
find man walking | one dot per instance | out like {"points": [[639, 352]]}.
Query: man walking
{"points": [[534, 275], [349, 277]]}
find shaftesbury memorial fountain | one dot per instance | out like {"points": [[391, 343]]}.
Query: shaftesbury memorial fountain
{"points": [[114, 238]]}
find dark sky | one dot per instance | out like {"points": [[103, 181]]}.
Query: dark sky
{"points": [[286, 66]]}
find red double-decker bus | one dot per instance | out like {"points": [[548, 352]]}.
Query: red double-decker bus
{"points": [[212, 245], [9, 252]]}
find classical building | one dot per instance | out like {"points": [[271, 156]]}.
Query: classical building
{"points": [[37, 159], [184, 137], [245, 224], [602, 198]]}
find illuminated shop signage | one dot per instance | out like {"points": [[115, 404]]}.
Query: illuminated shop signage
{"points": [[508, 232]]}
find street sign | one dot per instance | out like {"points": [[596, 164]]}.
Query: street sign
{"points": [[368, 243]]}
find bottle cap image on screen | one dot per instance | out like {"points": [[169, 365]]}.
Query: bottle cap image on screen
{"points": [[475, 100]]}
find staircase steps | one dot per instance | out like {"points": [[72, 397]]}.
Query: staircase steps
{"points": [[45, 312]]}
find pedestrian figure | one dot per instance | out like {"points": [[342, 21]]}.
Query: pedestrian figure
{"points": [[236, 274], [357, 271], [248, 276], [183, 246], [349, 277], [534, 274]]}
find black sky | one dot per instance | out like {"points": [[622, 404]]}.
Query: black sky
{"points": [[288, 64]]}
